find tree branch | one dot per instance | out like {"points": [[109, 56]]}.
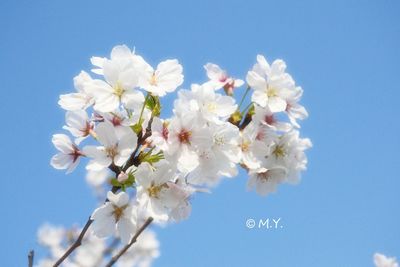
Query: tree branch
{"points": [[31, 254], [76, 244], [133, 240], [133, 159], [78, 241]]}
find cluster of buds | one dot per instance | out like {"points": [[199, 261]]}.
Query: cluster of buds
{"points": [[153, 165]]}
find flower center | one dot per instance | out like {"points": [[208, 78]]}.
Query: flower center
{"points": [[154, 190], [184, 136], [264, 176], [269, 119], [118, 90], [219, 140], [118, 212], [165, 131], [271, 91], [279, 151], [153, 80], [112, 151], [211, 107], [245, 146]]}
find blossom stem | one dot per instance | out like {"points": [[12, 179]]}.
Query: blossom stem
{"points": [[76, 244], [244, 96], [144, 104], [246, 108], [133, 240]]}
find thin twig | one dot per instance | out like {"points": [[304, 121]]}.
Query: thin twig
{"points": [[76, 244], [31, 254], [133, 240], [133, 159], [78, 241]]}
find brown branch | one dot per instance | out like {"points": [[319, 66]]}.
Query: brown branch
{"points": [[78, 241], [133, 240], [31, 254], [76, 244], [133, 159]]}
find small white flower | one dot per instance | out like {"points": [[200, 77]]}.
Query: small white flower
{"points": [[294, 110], [165, 79], [219, 158], [381, 260], [287, 151], [116, 214], [50, 236], [80, 100], [115, 149], [69, 155], [266, 117], [121, 80], [206, 102], [220, 79], [159, 133], [271, 84], [266, 181], [186, 134], [254, 146], [78, 124]]}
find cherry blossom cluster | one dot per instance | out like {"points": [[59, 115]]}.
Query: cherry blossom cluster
{"points": [[150, 165]]}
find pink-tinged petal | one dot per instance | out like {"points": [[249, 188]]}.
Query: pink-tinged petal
{"points": [[61, 161], [214, 72], [72, 167], [63, 143]]}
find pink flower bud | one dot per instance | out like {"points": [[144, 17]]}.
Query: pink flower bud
{"points": [[122, 177]]}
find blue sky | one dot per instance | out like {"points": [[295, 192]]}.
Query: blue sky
{"points": [[345, 54]]}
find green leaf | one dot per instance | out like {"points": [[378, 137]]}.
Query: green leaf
{"points": [[153, 103], [137, 128], [115, 182]]}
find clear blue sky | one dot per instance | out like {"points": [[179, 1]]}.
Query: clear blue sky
{"points": [[345, 54]]}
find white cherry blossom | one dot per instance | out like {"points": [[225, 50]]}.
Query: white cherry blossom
{"points": [[165, 79], [82, 99], [115, 215], [271, 84], [69, 154], [120, 85], [220, 79], [115, 149], [381, 260], [78, 124]]}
